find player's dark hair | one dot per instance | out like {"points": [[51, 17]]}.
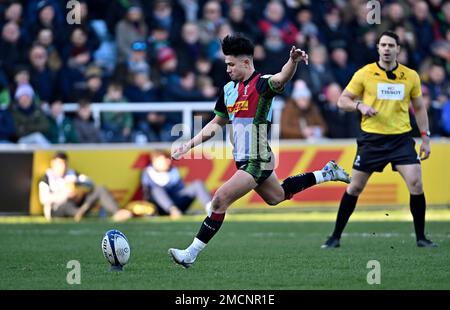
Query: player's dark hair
{"points": [[391, 34], [237, 45], [61, 155]]}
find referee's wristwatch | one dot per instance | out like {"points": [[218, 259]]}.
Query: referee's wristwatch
{"points": [[425, 133]]}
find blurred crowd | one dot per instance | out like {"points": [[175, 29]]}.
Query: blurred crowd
{"points": [[169, 51]]}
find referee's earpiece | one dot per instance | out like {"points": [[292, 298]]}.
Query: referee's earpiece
{"points": [[391, 75]]}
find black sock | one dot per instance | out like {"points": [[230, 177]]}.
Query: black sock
{"points": [[417, 206], [298, 183], [346, 208], [210, 226]]}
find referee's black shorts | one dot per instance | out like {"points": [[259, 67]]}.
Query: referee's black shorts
{"points": [[375, 151]]}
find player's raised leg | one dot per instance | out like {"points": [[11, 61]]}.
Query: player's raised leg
{"points": [[236, 187], [347, 206], [412, 174], [273, 192]]}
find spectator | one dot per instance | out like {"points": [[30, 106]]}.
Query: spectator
{"points": [[21, 76], [275, 19], [154, 128], [45, 39], [34, 7], [117, 9], [395, 16], [407, 42], [48, 14], [163, 186], [85, 128], [190, 8], [240, 23], [117, 126], [214, 46], [301, 118], [434, 110], [30, 122], [168, 64], [275, 52], [364, 50], [306, 25], [14, 13], [137, 60], [94, 89], [210, 22], [42, 78], [440, 49], [141, 88], [189, 47], [159, 38], [163, 16], [187, 89], [333, 32], [318, 73], [12, 47], [423, 29], [340, 124], [105, 56], [65, 193], [93, 41], [78, 46], [61, 128], [437, 84], [340, 66], [130, 29], [78, 58]]}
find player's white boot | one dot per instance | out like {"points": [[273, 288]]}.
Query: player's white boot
{"points": [[182, 257], [336, 173]]}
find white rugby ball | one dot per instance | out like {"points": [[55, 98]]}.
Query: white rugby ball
{"points": [[116, 249]]}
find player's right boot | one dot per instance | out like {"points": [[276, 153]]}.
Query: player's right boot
{"points": [[182, 257], [332, 242], [336, 172], [426, 243]]}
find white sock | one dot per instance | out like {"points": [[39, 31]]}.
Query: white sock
{"points": [[196, 246], [321, 176]]}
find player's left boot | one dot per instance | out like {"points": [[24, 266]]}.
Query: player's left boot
{"points": [[182, 257], [425, 243], [331, 243], [336, 172]]}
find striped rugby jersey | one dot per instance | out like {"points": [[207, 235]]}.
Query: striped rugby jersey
{"points": [[248, 106]]}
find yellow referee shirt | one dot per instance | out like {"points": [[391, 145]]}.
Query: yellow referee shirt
{"points": [[390, 97]]}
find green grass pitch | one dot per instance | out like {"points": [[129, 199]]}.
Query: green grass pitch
{"points": [[264, 250]]}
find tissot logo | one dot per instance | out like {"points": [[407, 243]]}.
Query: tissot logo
{"points": [[390, 91], [386, 91]]}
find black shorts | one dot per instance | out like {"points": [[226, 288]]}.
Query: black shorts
{"points": [[259, 170], [375, 151]]}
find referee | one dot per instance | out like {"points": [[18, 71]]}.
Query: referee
{"points": [[381, 92]]}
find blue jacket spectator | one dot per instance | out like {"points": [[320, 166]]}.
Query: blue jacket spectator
{"points": [[162, 184], [42, 78]]}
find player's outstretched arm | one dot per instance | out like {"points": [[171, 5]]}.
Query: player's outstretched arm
{"points": [[205, 134], [280, 79]]}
